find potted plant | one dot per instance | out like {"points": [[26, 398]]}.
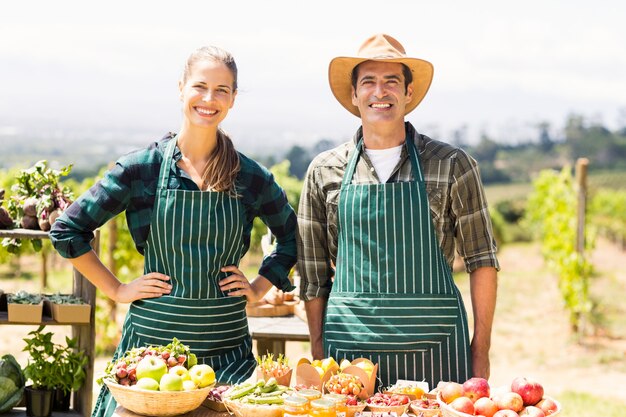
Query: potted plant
{"points": [[50, 367], [67, 308], [25, 307], [72, 374]]}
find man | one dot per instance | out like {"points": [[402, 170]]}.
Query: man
{"points": [[379, 220]]}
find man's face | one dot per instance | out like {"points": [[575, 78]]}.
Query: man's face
{"points": [[380, 94]]}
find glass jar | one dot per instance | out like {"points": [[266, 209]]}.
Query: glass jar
{"points": [[323, 408], [340, 403], [310, 395], [295, 406]]}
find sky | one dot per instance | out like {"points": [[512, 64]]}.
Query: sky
{"points": [[500, 67]]}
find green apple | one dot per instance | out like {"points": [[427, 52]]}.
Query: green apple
{"points": [[151, 367], [203, 375], [181, 371], [189, 385], [171, 382], [147, 384]]}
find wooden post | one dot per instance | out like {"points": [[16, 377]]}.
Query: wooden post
{"points": [[44, 269], [581, 181], [86, 336]]}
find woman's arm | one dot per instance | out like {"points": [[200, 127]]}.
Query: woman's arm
{"points": [[147, 286]]}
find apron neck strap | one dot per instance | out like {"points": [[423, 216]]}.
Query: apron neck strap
{"points": [[354, 158], [164, 173]]}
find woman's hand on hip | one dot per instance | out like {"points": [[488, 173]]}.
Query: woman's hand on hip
{"points": [[237, 284], [151, 285]]}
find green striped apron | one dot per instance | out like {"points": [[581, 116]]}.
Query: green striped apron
{"points": [[192, 235], [393, 298]]}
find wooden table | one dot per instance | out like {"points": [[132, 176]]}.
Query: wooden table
{"points": [[271, 333], [198, 412]]}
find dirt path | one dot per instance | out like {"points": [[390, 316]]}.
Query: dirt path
{"points": [[531, 334]]}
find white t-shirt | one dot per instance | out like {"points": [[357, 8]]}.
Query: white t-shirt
{"points": [[384, 161]]}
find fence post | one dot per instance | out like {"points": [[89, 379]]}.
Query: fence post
{"points": [[581, 181]]}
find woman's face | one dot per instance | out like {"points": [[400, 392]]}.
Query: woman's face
{"points": [[207, 94]]}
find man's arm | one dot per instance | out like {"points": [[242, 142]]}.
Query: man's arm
{"points": [[315, 316], [313, 258], [483, 288]]}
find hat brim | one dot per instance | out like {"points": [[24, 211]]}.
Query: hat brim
{"points": [[340, 72]]}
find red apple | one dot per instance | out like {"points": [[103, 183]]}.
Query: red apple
{"points": [[506, 413], [475, 388], [463, 404], [485, 406], [532, 411], [451, 391], [509, 401], [530, 390], [547, 406]]}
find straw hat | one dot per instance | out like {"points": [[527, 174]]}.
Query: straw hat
{"points": [[383, 48]]}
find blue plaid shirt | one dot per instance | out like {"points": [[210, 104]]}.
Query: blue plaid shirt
{"points": [[131, 186]]}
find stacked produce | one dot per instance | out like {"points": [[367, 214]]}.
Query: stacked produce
{"points": [[38, 198], [475, 397], [278, 368], [260, 399], [161, 368], [5, 218]]}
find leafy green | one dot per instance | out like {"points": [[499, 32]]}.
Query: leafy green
{"points": [[23, 297], [52, 366], [59, 298], [11, 383]]}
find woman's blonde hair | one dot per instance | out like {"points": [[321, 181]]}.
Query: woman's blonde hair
{"points": [[220, 172]]}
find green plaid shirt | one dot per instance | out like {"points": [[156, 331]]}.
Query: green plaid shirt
{"points": [[458, 207], [131, 186]]}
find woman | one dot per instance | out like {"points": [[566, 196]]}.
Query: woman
{"points": [[190, 200]]}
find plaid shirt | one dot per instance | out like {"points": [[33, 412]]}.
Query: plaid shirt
{"points": [[131, 185], [457, 206]]}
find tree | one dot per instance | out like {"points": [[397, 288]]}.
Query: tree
{"points": [[299, 160], [545, 141]]}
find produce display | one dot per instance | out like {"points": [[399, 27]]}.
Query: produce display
{"points": [[260, 399], [425, 407], [160, 368], [525, 397], [278, 368], [386, 400], [11, 383], [38, 197], [261, 392], [156, 368], [5, 218], [342, 383]]}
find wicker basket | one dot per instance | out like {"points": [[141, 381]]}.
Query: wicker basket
{"points": [[398, 409], [447, 411], [240, 409], [353, 409], [157, 403], [415, 408]]}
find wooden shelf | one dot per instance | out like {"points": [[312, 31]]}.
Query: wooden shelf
{"points": [[4, 319], [24, 234], [21, 412], [83, 332]]}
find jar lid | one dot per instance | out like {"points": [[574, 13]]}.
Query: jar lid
{"points": [[309, 393], [336, 398], [321, 403], [295, 401]]}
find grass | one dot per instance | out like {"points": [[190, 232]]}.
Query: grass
{"points": [[581, 404]]}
